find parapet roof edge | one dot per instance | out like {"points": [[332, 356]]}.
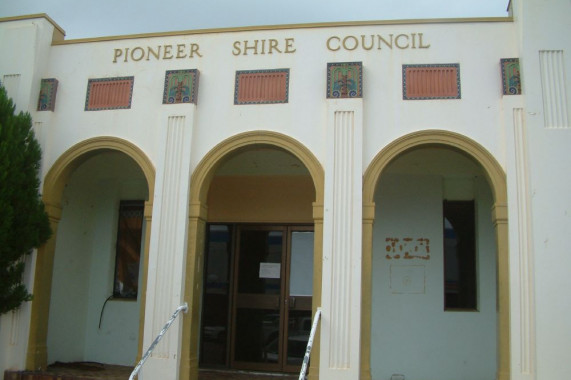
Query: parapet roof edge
{"points": [[33, 16], [285, 27]]}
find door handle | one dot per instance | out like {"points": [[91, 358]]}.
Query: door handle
{"points": [[291, 302]]}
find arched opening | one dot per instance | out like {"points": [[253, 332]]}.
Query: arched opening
{"points": [[411, 190], [255, 211], [91, 275]]}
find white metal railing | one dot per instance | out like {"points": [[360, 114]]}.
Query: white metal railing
{"points": [[183, 307], [309, 344]]}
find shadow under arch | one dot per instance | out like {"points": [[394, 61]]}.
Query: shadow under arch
{"points": [[497, 181], [53, 187], [199, 186]]}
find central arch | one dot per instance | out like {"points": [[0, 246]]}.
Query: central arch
{"points": [[200, 183], [497, 181]]}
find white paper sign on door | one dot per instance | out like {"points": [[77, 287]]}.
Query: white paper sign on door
{"points": [[270, 270]]}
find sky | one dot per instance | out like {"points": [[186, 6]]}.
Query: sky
{"points": [[98, 18]]}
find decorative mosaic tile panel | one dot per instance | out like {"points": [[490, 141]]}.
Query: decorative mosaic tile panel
{"points": [[345, 80], [261, 86], [435, 81], [511, 76], [47, 98], [181, 86], [109, 93]]}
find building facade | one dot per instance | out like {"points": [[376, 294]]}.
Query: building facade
{"points": [[408, 178]]}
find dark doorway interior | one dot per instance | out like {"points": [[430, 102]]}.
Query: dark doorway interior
{"points": [[257, 294]]}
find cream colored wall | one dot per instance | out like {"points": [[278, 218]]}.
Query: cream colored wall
{"points": [[541, 189], [28, 43], [476, 46], [386, 114]]}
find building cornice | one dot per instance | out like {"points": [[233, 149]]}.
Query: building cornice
{"points": [[58, 29], [286, 27]]}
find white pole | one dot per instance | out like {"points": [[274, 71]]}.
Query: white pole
{"points": [[184, 308], [309, 344]]}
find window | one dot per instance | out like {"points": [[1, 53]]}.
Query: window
{"points": [[128, 251], [460, 290]]}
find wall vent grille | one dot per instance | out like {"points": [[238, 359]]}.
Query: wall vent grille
{"points": [[109, 93], [439, 81], [262, 86]]}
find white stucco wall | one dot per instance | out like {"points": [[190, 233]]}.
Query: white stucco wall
{"points": [[28, 43], [544, 26]]}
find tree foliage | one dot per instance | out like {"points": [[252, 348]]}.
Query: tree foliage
{"points": [[24, 224]]}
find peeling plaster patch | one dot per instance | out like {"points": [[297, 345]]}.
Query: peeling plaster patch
{"points": [[407, 248]]}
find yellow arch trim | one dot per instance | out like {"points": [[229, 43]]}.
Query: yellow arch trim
{"points": [[497, 180], [207, 167], [492, 168], [53, 187], [59, 173], [200, 183]]}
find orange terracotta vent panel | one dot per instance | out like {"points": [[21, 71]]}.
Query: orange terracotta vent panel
{"points": [[109, 93], [261, 86], [422, 82]]}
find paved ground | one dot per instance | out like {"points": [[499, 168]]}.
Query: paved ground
{"points": [[74, 371], [97, 371], [240, 375]]}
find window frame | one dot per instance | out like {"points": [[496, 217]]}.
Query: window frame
{"points": [[135, 245], [467, 284]]}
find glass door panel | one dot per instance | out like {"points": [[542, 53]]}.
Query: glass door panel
{"points": [[299, 297], [216, 297], [301, 264], [299, 327], [259, 262], [272, 298], [258, 308], [257, 336]]}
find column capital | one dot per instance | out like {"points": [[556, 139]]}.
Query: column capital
{"points": [[198, 210], [500, 213], [368, 212]]}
